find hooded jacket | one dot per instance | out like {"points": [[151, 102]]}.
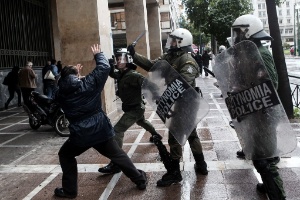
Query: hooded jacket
{"points": [[80, 100]]}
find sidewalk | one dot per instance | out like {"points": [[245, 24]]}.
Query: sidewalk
{"points": [[29, 166]]}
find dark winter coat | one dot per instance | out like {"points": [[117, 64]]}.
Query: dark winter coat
{"points": [[205, 59], [80, 99], [13, 78]]}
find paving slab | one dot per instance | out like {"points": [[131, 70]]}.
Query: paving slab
{"points": [[29, 164]]}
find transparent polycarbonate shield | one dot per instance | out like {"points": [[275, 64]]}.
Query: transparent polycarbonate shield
{"points": [[259, 118], [177, 104]]}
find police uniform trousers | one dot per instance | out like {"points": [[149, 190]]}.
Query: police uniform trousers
{"points": [[109, 149], [176, 148], [271, 179], [127, 120]]}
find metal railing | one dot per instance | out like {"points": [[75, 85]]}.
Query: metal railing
{"points": [[295, 87]]}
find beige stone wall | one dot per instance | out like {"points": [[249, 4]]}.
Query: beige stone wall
{"points": [[80, 25]]}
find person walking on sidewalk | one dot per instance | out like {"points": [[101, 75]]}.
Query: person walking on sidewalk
{"points": [[27, 82], [50, 85], [129, 84], [249, 27], [80, 98], [13, 86], [205, 60], [178, 56]]}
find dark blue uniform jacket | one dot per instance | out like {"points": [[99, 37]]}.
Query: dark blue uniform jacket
{"points": [[80, 99]]}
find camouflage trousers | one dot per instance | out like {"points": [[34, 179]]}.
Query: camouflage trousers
{"points": [[127, 120]]}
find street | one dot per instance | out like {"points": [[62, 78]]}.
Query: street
{"points": [[29, 165]]}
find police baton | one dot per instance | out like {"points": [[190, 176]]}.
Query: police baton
{"points": [[138, 38]]}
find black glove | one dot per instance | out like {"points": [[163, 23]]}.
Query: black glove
{"points": [[111, 61], [131, 50]]}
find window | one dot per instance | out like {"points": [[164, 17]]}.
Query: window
{"points": [[264, 21], [259, 6], [287, 4], [280, 21], [280, 12], [118, 20], [288, 12], [288, 21]]}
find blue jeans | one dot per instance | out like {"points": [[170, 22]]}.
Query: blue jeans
{"points": [[48, 90]]}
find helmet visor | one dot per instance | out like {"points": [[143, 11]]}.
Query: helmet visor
{"points": [[121, 58], [171, 43], [237, 35]]}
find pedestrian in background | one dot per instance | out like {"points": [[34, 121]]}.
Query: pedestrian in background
{"points": [[13, 86], [80, 98], [49, 84], [198, 58], [27, 82], [59, 66], [205, 59]]}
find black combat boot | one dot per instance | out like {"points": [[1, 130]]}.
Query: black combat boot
{"points": [[200, 165], [111, 168], [272, 182], [60, 192], [240, 154], [261, 188], [172, 176], [158, 136], [269, 186]]}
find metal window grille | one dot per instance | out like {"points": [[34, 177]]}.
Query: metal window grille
{"points": [[25, 32]]}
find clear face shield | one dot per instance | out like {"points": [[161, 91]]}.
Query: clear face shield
{"points": [[172, 43], [121, 58], [237, 35]]}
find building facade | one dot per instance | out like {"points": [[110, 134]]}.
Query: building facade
{"points": [[38, 30], [288, 18]]}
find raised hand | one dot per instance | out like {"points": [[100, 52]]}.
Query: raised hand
{"points": [[96, 48]]}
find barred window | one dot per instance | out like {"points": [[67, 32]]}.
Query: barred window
{"points": [[25, 32]]}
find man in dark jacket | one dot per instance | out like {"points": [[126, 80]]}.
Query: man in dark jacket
{"points": [[206, 58], [49, 85], [129, 84], [89, 126], [198, 58]]}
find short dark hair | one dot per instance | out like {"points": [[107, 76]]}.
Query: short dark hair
{"points": [[53, 61], [68, 70]]}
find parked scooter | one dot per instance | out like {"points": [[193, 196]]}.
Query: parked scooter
{"points": [[43, 110]]}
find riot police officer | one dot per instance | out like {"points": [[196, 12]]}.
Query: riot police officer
{"points": [[179, 57], [129, 83], [249, 27]]}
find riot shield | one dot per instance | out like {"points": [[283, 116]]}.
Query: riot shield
{"points": [[177, 104], [260, 121]]}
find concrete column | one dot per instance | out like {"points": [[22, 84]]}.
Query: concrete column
{"points": [[80, 25], [154, 30], [136, 23]]}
